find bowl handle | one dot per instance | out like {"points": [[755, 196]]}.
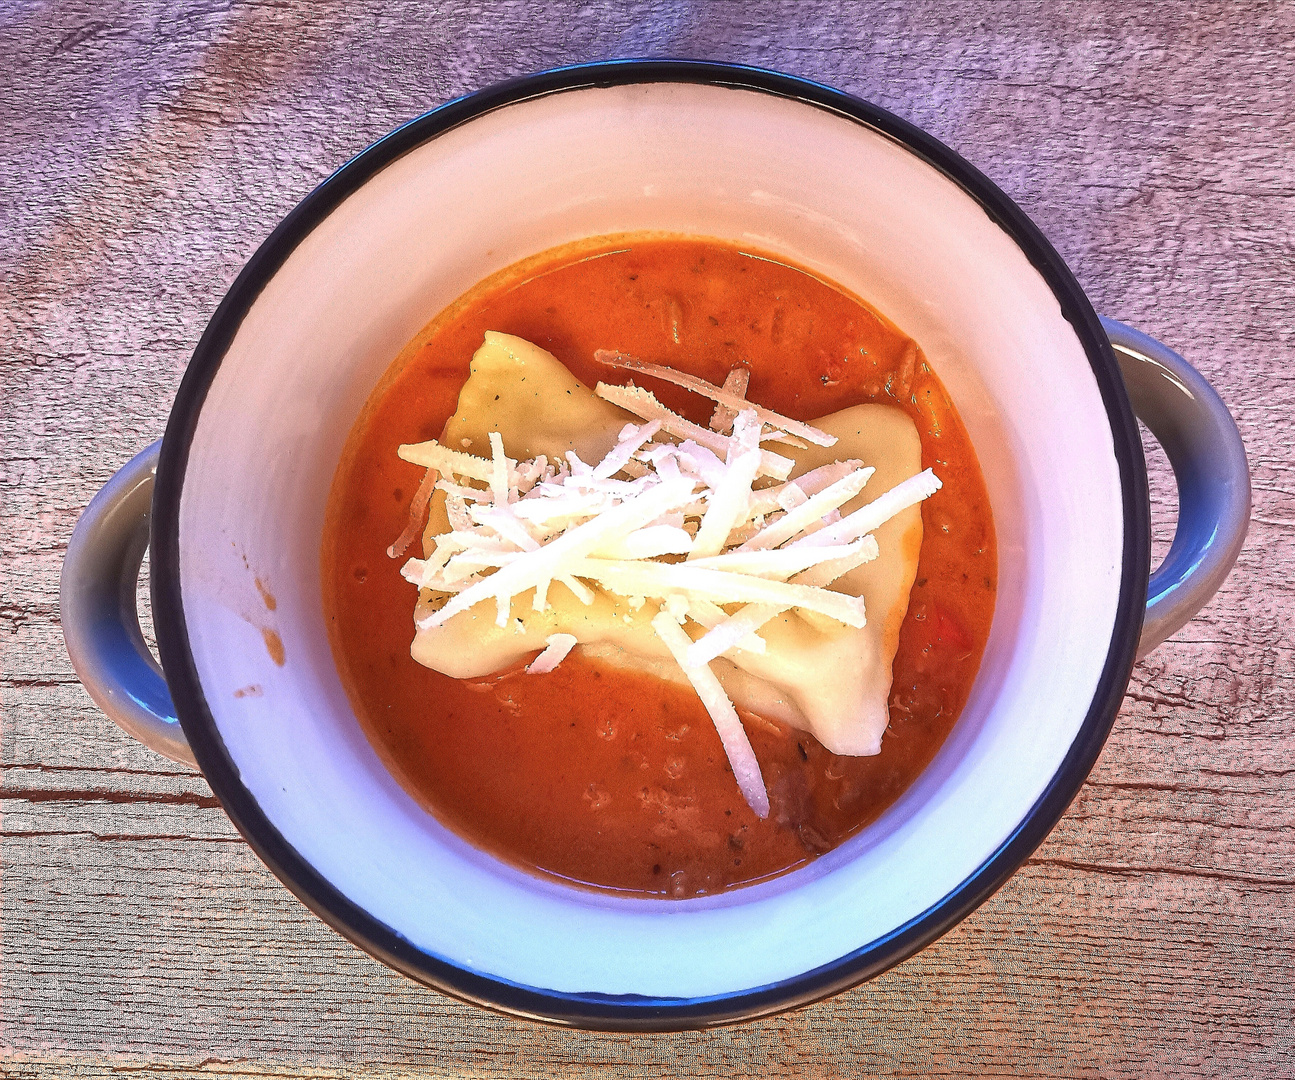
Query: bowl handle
{"points": [[100, 619], [1204, 447]]}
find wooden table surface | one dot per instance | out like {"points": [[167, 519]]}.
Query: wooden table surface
{"points": [[146, 149]]}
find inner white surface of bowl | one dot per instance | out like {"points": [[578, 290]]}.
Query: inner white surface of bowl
{"points": [[783, 177]]}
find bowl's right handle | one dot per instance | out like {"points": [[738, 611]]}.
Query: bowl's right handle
{"points": [[1203, 445]]}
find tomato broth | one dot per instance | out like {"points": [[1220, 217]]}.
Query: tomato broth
{"points": [[612, 778]]}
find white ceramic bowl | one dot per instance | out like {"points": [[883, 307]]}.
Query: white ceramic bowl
{"points": [[369, 257]]}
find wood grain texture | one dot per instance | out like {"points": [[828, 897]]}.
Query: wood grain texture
{"points": [[147, 148]]}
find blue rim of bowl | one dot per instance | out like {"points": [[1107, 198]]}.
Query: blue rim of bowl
{"points": [[632, 1012]]}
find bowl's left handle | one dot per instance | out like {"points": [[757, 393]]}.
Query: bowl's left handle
{"points": [[100, 618]]}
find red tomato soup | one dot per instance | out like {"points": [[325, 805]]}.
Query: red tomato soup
{"points": [[615, 779]]}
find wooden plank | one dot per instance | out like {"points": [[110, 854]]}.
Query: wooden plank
{"points": [[148, 148]]}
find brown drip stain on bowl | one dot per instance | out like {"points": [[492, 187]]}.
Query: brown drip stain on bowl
{"points": [[273, 645], [267, 597]]}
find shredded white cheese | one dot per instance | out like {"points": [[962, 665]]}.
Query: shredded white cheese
{"points": [[735, 383], [732, 630], [727, 399], [678, 522], [643, 403], [558, 645], [746, 769], [809, 513], [730, 495]]}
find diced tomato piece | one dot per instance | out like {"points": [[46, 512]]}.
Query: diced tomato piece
{"points": [[946, 630]]}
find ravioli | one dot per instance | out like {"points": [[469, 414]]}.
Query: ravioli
{"points": [[825, 678]]}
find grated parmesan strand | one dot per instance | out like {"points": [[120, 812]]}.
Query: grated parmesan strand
{"points": [[821, 575], [556, 648], [735, 628], [715, 393], [447, 462], [579, 589], [735, 383], [648, 578], [810, 511], [729, 497], [746, 768], [499, 469], [417, 514], [648, 543], [780, 563], [631, 440], [768, 500], [868, 518], [709, 614], [643, 403]]}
